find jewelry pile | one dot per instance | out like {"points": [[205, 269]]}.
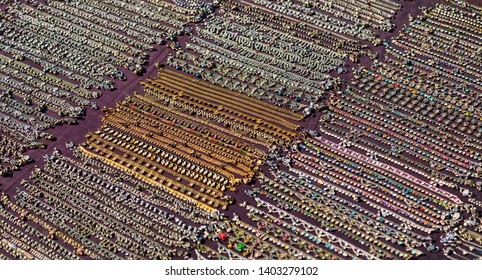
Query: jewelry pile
{"points": [[246, 144], [56, 55], [190, 138], [87, 209], [419, 110], [88, 41], [283, 51]]}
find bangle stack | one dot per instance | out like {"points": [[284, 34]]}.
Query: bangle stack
{"points": [[56, 55], [220, 162], [415, 116], [282, 52], [168, 138], [97, 217]]}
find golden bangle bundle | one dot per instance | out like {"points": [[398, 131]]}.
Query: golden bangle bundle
{"points": [[201, 90], [188, 97], [180, 174], [229, 95], [174, 139], [187, 139], [173, 118], [146, 136], [183, 146], [138, 147], [236, 109], [143, 168], [216, 114], [155, 180]]}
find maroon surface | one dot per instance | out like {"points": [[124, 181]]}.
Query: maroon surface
{"points": [[93, 118]]}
